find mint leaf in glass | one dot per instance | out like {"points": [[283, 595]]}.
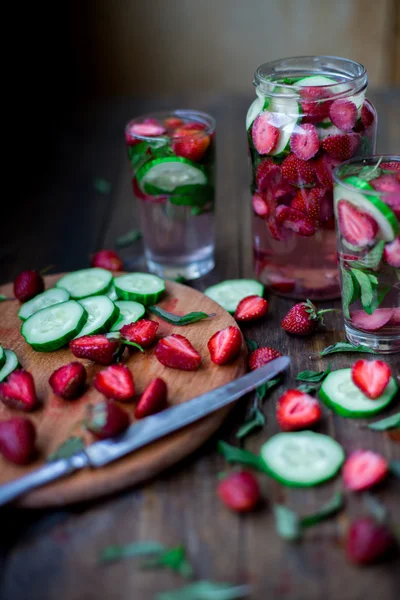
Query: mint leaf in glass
{"points": [[372, 259], [347, 291], [366, 289]]}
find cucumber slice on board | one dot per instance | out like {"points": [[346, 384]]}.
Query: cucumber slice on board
{"points": [[229, 293], [140, 287], [102, 313], [130, 312], [341, 395], [10, 365], [111, 293], [166, 174], [53, 327], [371, 204], [86, 282], [2, 357], [302, 458], [43, 300]]}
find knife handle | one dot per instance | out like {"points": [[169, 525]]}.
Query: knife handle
{"points": [[46, 474]]}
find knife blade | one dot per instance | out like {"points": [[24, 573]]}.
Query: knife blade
{"points": [[144, 432]]}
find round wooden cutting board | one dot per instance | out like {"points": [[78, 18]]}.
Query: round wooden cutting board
{"points": [[57, 419]]}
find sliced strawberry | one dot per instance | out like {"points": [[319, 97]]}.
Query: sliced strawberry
{"points": [[395, 317], [153, 399], [357, 227], [297, 410], [98, 348], [343, 114], [143, 332], [173, 122], [297, 171], [379, 318], [264, 134], [115, 382], [371, 376], [324, 166], [304, 141], [175, 351], [260, 206], [367, 541], [190, 143], [251, 309], [239, 491], [18, 391], [391, 253], [315, 105], [294, 220], [386, 183], [107, 259], [343, 146], [267, 174], [391, 166], [17, 440], [262, 356], [299, 201], [393, 200], [224, 346], [69, 380], [367, 114], [27, 285], [363, 469], [194, 125], [106, 419], [150, 128]]}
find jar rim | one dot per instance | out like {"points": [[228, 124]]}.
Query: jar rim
{"points": [[363, 161]]}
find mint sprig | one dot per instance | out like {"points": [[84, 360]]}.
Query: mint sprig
{"points": [[242, 457], [372, 259], [179, 320], [314, 376], [345, 347]]}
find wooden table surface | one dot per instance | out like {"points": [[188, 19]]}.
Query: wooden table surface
{"points": [[52, 554]]}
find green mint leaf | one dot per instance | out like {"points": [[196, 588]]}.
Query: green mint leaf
{"points": [[102, 186], [345, 347], [68, 448], [347, 291], [242, 457], [324, 124], [371, 260], [264, 388], [366, 289], [174, 559], [128, 238], [118, 552], [369, 173], [207, 590], [133, 344], [180, 279], [328, 509], [384, 424], [379, 295], [375, 507], [313, 376], [394, 467], [307, 389], [287, 523], [3, 297], [251, 345], [256, 420], [192, 317]]}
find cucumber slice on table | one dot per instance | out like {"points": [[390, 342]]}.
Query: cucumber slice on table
{"points": [[229, 293], [369, 203], [140, 287], [47, 298], [166, 174], [130, 312], [302, 458], [10, 365], [86, 282], [53, 327], [2, 357], [102, 313], [341, 395]]}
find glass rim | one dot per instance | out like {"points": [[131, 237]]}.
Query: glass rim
{"points": [[359, 160], [184, 113]]}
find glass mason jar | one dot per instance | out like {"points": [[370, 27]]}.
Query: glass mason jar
{"points": [[310, 114]]}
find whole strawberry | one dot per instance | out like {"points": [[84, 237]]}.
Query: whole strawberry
{"points": [[98, 348], [106, 419], [69, 380], [367, 541], [239, 491], [303, 318], [27, 285], [17, 440], [107, 259]]}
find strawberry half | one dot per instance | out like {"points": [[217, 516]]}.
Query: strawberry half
{"points": [[17, 440], [264, 133], [69, 380], [260, 206], [175, 351], [367, 115], [299, 201], [363, 469], [357, 227], [304, 141], [303, 318], [224, 346], [386, 183], [371, 377], [251, 309], [19, 391], [294, 220], [261, 356], [297, 410], [173, 122], [341, 147], [267, 174], [297, 171], [391, 253], [143, 332], [27, 285], [391, 166], [107, 259], [115, 382], [239, 491], [153, 399], [190, 143], [106, 419], [98, 348], [368, 541], [343, 114], [149, 128], [324, 166], [374, 322]]}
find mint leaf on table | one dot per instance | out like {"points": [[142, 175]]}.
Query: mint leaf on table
{"points": [[313, 376], [251, 345], [366, 289], [372, 259], [180, 279], [68, 448], [345, 347], [3, 297], [118, 552], [264, 388], [347, 291], [307, 389], [128, 238], [242, 457], [256, 418], [172, 558], [102, 186], [394, 467], [384, 424], [133, 344], [192, 317], [332, 506], [375, 507], [207, 590]]}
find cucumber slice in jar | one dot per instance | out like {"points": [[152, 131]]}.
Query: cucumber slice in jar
{"points": [[130, 312], [86, 282], [369, 203], [285, 116], [140, 287], [259, 104], [47, 298], [2, 357], [166, 174], [316, 80], [102, 313], [53, 327], [302, 458], [341, 395], [10, 365], [229, 293]]}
